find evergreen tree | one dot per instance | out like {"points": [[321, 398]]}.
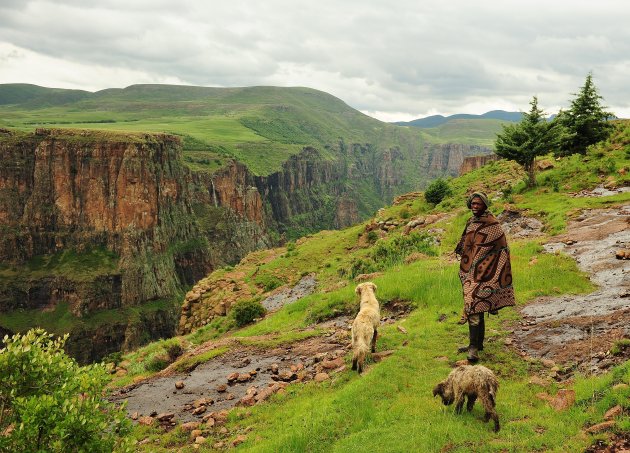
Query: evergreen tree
{"points": [[437, 191], [532, 136], [586, 120]]}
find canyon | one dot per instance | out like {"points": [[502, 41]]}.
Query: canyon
{"points": [[104, 232]]}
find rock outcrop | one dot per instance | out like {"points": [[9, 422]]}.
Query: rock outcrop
{"points": [[473, 162]]}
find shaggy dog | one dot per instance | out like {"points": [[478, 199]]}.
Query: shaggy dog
{"points": [[365, 325], [472, 382]]}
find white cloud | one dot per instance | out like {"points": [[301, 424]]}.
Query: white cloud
{"points": [[397, 59]]}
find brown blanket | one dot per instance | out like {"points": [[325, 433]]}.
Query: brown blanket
{"points": [[485, 270]]}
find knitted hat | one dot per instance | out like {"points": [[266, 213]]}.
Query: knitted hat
{"points": [[481, 195]]}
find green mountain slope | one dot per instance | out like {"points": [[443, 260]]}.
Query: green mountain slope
{"points": [[390, 408]]}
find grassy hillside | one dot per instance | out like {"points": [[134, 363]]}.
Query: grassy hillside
{"points": [[390, 407], [260, 126], [481, 132]]}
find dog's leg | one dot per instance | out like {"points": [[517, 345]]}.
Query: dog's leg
{"points": [[374, 341], [354, 363], [471, 402], [495, 417], [459, 404]]}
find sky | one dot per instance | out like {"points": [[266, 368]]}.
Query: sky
{"points": [[393, 60]]}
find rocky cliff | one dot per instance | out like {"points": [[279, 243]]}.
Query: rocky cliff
{"points": [[99, 221], [447, 159], [473, 162]]}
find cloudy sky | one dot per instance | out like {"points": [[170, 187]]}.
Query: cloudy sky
{"points": [[394, 60]]}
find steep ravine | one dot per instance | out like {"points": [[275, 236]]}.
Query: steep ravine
{"points": [[102, 233]]}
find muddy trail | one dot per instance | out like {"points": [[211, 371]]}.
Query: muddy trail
{"points": [[244, 375], [579, 331]]}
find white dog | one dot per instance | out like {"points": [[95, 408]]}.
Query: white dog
{"points": [[365, 325]]}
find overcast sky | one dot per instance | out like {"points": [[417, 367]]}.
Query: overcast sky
{"points": [[394, 60]]}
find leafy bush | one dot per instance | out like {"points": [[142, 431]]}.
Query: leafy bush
{"points": [[157, 363], [437, 191], [52, 404], [245, 311], [173, 351]]}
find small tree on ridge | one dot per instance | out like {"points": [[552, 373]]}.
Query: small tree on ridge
{"points": [[533, 136]]}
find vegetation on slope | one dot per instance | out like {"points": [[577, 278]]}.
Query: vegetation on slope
{"points": [[391, 407]]}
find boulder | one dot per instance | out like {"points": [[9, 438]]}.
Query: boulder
{"points": [[613, 412], [179, 385], [146, 420], [321, 377], [190, 426], [604, 426]]}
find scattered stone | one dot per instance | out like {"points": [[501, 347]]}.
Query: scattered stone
{"points": [[135, 416], [200, 440], [600, 427], [274, 368], [620, 255], [285, 376], [243, 377], [223, 430], [146, 420], [548, 363], [253, 373], [190, 426], [239, 440], [332, 364], [321, 377], [613, 412], [508, 341], [195, 433], [179, 385], [229, 396], [165, 416], [200, 410], [232, 377], [402, 329], [221, 388], [210, 422], [620, 386], [218, 445], [378, 356], [202, 402]]}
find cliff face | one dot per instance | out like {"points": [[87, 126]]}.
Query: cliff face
{"points": [[447, 159], [100, 222], [473, 162]]}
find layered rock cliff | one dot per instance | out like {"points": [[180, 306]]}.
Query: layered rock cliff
{"points": [[473, 162], [96, 220], [447, 159]]}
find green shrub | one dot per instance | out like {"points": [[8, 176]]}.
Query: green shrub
{"points": [[437, 191], [157, 363], [173, 351], [52, 403], [268, 282], [372, 236], [244, 312]]}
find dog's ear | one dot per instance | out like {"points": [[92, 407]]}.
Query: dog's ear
{"points": [[438, 389], [358, 289], [373, 286]]}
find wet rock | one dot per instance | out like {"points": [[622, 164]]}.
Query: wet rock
{"points": [[218, 445], [146, 420], [229, 396], [210, 422], [164, 416], [179, 385], [190, 426], [199, 410], [243, 377], [232, 377], [613, 412], [600, 427], [332, 364], [285, 376], [195, 433], [135, 416], [402, 329], [202, 402], [221, 388], [321, 377]]}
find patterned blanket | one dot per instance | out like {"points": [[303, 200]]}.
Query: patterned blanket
{"points": [[485, 270]]}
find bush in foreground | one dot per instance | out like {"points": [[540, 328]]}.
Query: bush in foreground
{"points": [[246, 311], [437, 191], [50, 403]]}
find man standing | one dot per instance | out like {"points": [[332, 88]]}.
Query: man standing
{"points": [[484, 271]]}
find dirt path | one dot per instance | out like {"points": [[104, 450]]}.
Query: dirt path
{"points": [[246, 375], [582, 329]]}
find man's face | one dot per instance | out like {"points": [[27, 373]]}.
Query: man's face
{"points": [[477, 206]]}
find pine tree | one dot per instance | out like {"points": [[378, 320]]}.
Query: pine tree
{"points": [[586, 121], [532, 136]]}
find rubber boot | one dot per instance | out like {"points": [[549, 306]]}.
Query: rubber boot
{"points": [[473, 349], [482, 333]]}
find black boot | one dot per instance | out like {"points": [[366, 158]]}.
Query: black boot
{"points": [[482, 332], [473, 349]]}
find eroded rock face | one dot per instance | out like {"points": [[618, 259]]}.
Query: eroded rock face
{"points": [[100, 222], [471, 163]]}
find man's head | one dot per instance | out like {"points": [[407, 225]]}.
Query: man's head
{"points": [[478, 203]]}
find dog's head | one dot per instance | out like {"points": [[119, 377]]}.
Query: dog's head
{"points": [[445, 393], [365, 286]]}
